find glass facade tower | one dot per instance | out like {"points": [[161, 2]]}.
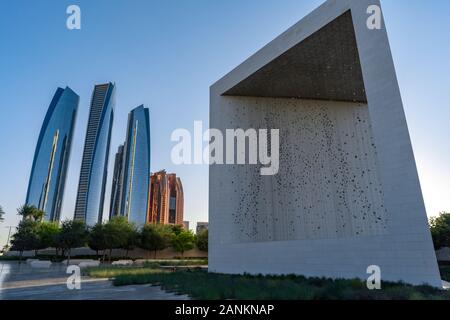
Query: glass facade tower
{"points": [[94, 166], [51, 158], [116, 189], [135, 168]]}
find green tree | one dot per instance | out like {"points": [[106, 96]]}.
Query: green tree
{"points": [[73, 235], [2, 214], [97, 239], [26, 237], [116, 233], [183, 241], [48, 233], [440, 230], [202, 240], [29, 212], [176, 228], [155, 237], [132, 240]]}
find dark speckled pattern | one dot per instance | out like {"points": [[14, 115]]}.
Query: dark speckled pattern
{"points": [[325, 66], [327, 185]]}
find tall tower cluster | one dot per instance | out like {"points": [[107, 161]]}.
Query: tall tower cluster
{"points": [[135, 194]]}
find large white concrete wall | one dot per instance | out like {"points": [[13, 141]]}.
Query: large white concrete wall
{"points": [[286, 224], [327, 186], [290, 240]]}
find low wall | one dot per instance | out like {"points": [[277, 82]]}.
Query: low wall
{"points": [[168, 253]]}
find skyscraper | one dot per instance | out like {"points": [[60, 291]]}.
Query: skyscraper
{"points": [[129, 194], [136, 167], [166, 199], [114, 208], [93, 174], [51, 158]]}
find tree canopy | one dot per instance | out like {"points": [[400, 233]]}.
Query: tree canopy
{"points": [[33, 233], [155, 237], [176, 228], [73, 234], [183, 241], [97, 239], [48, 233], [26, 237], [30, 212], [202, 240], [116, 231], [440, 230], [133, 239]]}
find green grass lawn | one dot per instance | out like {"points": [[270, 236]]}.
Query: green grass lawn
{"points": [[113, 272], [177, 262], [149, 267], [202, 285]]}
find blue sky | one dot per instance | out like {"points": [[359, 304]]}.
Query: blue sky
{"points": [[165, 54]]}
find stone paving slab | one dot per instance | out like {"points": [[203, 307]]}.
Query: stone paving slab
{"points": [[21, 282]]}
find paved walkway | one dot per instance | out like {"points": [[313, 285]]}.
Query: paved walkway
{"points": [[446, 285], [21, 282]]}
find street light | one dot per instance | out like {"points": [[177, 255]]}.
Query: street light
{"points": [[9, 235]]}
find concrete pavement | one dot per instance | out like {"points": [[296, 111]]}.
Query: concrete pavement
{"points": [[21, 282]]}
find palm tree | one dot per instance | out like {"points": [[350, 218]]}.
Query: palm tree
{"points": [[30, 212], [38, 215]]}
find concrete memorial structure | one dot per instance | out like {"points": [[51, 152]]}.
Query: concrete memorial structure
{"points": [[347, 194]]}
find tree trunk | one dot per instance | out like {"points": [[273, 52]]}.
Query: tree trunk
{"points": [[154, 256], [110, 254], [126, 253], [20, 257], [68, 256]]}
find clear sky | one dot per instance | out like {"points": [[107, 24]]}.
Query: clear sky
{"points": [[165, 54]]}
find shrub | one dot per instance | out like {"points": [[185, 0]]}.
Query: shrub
{"points": [[202, 240], [440, 230], [183, 241], [155, 237], [73, 234]]}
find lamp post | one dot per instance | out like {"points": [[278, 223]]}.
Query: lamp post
{"points": [[9, 235]]}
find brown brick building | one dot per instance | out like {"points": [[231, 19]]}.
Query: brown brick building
{"points": [[166, 199]]}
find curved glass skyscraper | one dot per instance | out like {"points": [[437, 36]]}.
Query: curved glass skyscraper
{"points": [[132, 170], [91, 188], [51, 158], [114, 207]]}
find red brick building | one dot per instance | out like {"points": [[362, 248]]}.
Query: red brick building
{"points": [[166, 199]]}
